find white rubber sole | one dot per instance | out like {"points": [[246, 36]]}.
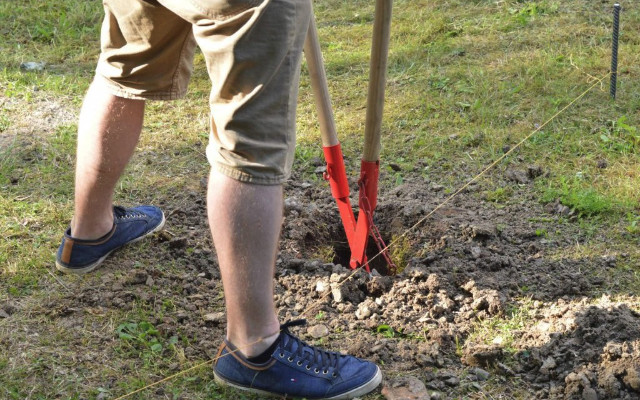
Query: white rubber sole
{"points": [[93, 266], [359, 391]]}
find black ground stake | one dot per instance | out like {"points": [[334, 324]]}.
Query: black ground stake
{"points": [[614, 50]]}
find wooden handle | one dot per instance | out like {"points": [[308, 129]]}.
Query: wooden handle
{"points": [[377, 80], [319, 85]]}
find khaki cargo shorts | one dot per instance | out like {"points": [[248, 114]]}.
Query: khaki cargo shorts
{"points": [[252, 50]]}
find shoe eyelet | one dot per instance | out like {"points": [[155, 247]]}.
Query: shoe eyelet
{"points": [[308, 368], [317, 371], [299, 363], [324, 372], [334, 375], [281, 355], [290, 359]]}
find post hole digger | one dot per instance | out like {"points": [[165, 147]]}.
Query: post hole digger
{"points": [[358, 230]]}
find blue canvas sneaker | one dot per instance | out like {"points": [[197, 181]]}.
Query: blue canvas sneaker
{"points": [[129, 225], [297, 370]]}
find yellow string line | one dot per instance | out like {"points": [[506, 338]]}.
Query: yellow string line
{"points": [[410, 229]]}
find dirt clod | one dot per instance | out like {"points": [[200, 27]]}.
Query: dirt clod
{"points": [[318, 331], [482, 355], [519, 176], [137, 277], [178, 243], [216, 318], [589, 394], [480, 374], [405, 388]]}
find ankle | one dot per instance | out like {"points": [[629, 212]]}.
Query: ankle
{"points": [[91, 229], [253, 347]]}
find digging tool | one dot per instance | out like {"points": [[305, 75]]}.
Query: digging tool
{"points": [[357, 230]]}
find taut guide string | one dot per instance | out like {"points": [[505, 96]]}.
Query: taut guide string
{"points": [[410, 229]]}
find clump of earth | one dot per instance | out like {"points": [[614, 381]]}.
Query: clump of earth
{"points": [[428, 326]]}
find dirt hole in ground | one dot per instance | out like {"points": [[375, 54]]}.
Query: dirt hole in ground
{"points": [[375, 258]]}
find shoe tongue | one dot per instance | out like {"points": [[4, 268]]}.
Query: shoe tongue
{"points": [[293, 344], [119, 211], [288, 342]]}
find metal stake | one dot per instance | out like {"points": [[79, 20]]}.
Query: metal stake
{"points": [[614, 50]]}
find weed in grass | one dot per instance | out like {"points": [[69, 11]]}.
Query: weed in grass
{"points": [[582, 198], [499, 195], [5, 122], [459, 347], [541, 232], [140, 334], [620, 137], [325, 253], [530, 11], [400, 252], [386, 331], [399, 179], [633, 224], [144, 340], [439, 83]]}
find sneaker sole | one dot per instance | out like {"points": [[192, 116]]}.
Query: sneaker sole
{"points": [[359, 391], [91, 267]]}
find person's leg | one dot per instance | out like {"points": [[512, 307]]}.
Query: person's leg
{"points": [[108, 132], [137, 62], [112, 114], [253, 50], [245, 222], [253, 57]]}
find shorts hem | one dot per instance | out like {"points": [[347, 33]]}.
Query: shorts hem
{"points": [[128, 93], [245, 177]]}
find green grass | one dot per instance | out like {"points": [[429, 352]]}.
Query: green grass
{"points": [[582, 198], [500, 330], [466, 78]]}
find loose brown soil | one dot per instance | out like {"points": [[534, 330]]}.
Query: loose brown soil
{"points": [[464, 266]]}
